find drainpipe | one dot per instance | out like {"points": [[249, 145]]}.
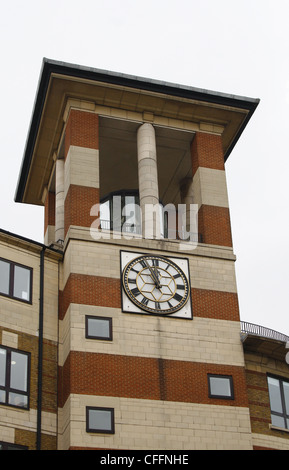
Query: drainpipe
{"points": [[40, 350]]}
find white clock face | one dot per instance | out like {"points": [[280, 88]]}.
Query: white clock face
{"points": [[155, 284]]}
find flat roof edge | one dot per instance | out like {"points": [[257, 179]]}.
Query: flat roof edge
{"points": [[50, 66], [146, 83]]}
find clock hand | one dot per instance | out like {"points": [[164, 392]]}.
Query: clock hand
{"points": [[157, 276], [153, 275]]}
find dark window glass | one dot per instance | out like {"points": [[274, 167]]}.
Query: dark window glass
{"points": [[9, 446], [220, 386], [21, 288], [98, 327], [4, 277], [3, 359], [279, 401], [100, 420], [15, 280], [14, 377]]}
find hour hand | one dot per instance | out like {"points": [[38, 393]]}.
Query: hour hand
{"points": [[157, 277], [154, 275]]}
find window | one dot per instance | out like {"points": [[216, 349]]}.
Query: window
{"points": [[221, 386], [9, 446], [14, 375], [98, 328], [279, 401], [120, 212], [100, 420], [15, 281]]}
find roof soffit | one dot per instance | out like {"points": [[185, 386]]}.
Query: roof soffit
{"points": [[61, 88]]}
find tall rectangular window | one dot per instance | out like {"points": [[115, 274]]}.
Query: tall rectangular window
{"points": [[15, 281], [14, 377], [279, 401]]}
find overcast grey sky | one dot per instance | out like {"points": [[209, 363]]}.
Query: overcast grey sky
{"points": [[228, 46]]}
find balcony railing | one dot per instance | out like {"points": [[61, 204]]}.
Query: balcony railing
{"points": [[136, 229], [263, 332]]}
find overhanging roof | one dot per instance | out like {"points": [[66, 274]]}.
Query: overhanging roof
{"points": [[60, 81], [270, 347]]}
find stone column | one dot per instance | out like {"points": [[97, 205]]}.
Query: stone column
{"points": [[148, 181], [59, 201]]}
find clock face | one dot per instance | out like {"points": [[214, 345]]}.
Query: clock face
{"points": [[155, 284]]}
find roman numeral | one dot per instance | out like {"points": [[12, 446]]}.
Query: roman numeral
{"points": [[135, 292], [180, 286], [145, 301], [155, 262], [157, 305], [176, 276], [178, 297]]}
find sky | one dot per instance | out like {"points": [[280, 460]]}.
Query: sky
{"points": [[229, 46]]}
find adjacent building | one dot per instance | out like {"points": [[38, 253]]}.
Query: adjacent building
{"points": [[122, 330]]}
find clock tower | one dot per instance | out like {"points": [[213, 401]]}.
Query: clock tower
{"points": [[131, 175]]}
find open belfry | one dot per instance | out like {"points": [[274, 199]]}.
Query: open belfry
{"points": [[135, 342]]}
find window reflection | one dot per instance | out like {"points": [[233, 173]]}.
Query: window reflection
{"points": [[120, 212], [279, 401], [14, 374]]}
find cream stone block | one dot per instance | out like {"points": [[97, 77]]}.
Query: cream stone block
{"points": [[59, 200], [199, 340], [210, 187], [49, 236], [159, 425], [273, 442], [81, 168], [212, 274], [22, 317], [12, 418], [101, 258], [9, 339]]}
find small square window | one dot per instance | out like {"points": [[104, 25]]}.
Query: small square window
{"points": [[100, 420], [221, 386], [98, 328]]}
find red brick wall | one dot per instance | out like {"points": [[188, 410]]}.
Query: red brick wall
{"points": [[49, 210], [215, 304], [77, 206], [145, 378], [213, 221], [90, 290], [106, 292], [214, 225], [81, 130], [207, 151]]}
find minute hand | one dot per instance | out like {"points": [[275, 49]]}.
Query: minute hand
{"points": [[157, 283]]}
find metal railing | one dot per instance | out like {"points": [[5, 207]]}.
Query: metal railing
{"points": [[124, 227], [262, 331], [136, 228]]}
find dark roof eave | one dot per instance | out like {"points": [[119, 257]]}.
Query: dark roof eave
{"points": [[51, 66], [40, 246]]}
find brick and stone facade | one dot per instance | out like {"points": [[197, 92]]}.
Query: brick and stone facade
{"points": [[112, 134]]}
